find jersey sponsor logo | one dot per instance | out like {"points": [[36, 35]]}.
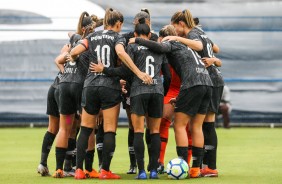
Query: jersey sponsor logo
{"points": [[70, 70], [202, 70], [100, 37], [98, 74]]}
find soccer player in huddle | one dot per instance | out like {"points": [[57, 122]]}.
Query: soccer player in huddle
{"points": [[144, 13], [101, 91], [70, 91], [194, 37], [52, 105], [145, 99], [194, 97]]}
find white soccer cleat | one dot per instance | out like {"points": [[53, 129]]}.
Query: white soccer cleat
{"points": [[44, 171]]}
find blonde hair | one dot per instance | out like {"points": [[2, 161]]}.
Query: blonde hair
{"points": [[184, 16], [167, 30], [112, 17]]}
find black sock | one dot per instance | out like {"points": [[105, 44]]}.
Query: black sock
{"points": [[60, 157], [182, 152], [99, 143], [131, 148], [197, 155], [82, 144], [89, 160], [148, 142], [139, 148], [155, 150], [46, 147], [210, 139], [109, 146], [69, 154]]}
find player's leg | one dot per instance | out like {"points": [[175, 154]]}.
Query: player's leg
{"points": [[188, 131], [110, 116], [180, 122], [90, 110], [68, 167], [89, 158], [197, 144], [210, 136], [197, 131], [168, 112], [66, 122], [47, 143], [138, 143], [53, 128], [99, 143], [130, 139]]}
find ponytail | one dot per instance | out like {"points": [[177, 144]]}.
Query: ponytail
{"points": [[84, 20], [142, 28], [112, 17], [184, 16]]}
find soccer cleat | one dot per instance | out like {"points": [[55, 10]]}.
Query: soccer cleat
{"points": [[70, 173], [58, 174], [207, 172], [141, 175], [195, 172], [132, 170], [92, 174], [108, 175], [44, 171], [160, 169], [154, 174], [79, 174]]}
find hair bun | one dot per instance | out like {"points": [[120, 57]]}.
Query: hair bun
{"points": [[142, 20]]}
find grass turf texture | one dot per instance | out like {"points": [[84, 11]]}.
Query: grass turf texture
{"points": [[245, 155]]}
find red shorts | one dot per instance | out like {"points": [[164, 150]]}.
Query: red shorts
{"points": [[172, 93]]}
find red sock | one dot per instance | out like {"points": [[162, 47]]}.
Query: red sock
{"points": [[190, 144], [164, 131]]}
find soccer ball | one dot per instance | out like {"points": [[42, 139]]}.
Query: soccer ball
{"points": [[177, 169]]}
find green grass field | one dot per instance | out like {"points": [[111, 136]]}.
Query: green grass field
{"points": [[245, 155]]}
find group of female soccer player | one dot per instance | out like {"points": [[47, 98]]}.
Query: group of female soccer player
{"points": [[173, 76]]}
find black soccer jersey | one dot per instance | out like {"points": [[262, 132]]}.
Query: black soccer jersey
{"points": [[186, 62], [75, 72], [101, 46], [150, 63], [215, 74]]}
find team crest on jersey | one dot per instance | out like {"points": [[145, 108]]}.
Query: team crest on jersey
{"points": [[72, 63], [142, 47]]}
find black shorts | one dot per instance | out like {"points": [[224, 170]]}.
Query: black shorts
{"points": [[194, 100], [69, 97], [52, 102], [215, 99], [151, 103], [95, 98]]}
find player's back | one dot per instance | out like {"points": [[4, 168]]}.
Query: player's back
{"points": [[149, 62]]}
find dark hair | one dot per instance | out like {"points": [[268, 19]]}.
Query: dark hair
{"points": [[167, 30], [142, 28], [144, 13], [196, 20], [184, 16], [84, 20], [112, 17]]}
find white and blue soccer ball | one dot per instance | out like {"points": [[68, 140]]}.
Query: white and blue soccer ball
{"points": [[177, 169]]}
